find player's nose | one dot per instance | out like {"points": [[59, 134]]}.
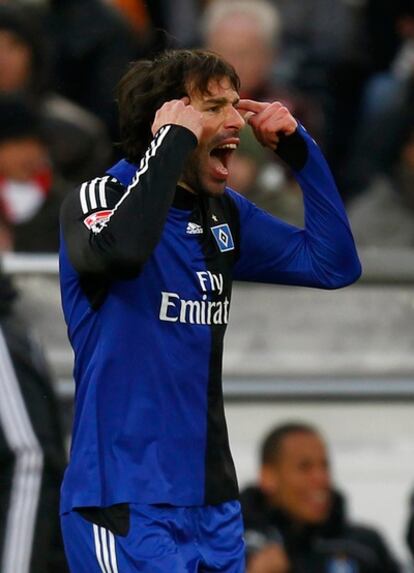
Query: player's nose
{"points": [[234, 119]]}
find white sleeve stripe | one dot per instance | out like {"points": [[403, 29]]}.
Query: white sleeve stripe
{"points": [[92, 196], [102, 196], [94, 192], [83, 198], [28, 469]]}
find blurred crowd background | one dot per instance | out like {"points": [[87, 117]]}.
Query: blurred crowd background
{"points": [[345, 68]]}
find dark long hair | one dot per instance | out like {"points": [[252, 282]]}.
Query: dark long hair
{"points": [[150, 83]]}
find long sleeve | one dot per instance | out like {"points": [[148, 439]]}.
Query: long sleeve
{"points": [[323, 254], [109, 227]]}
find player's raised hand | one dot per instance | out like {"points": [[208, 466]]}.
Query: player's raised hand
{"points": [[179, 112], [268, 120]]}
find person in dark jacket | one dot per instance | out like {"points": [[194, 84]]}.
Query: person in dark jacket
{"points": [[409, 534], [32, 454], [31, 191], [294, 519], [89, 59], [77, 140]]}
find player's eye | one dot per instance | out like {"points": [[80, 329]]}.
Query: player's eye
{"points": [[214, 108]]}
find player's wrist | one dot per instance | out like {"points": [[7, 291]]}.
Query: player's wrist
{"points": [[183, 135], [293, 149]]}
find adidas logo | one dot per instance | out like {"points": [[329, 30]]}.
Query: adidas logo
{"points": [[194, 229]]}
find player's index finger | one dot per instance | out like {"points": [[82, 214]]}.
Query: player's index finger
{"points": [[252, 105]]}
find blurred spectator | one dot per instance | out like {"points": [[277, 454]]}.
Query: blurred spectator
{"points": [[262, 178], [136, 12], [246, 33], [93, 45], [387, 103], [30, 194], [410, 526], [77, 141], [315, 34], [383, 215], [295, 522], [324, 54], [178, 18], [382, 22], [387, 89], [6, 234], [32, 454]]}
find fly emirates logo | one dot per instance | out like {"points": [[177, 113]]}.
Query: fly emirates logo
{"points": [[203, 311]]}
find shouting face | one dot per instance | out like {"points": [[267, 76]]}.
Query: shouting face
{"points": [[207, 168]]}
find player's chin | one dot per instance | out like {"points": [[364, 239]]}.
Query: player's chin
{"points": [[214, 187], [217, 189]]}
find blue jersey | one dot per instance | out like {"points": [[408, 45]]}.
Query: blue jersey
{"points": [[146, 275]]}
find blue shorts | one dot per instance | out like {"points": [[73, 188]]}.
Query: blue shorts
{"points": [[160, 539]]}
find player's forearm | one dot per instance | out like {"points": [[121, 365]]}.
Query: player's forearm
{"points": [[327, 234], [137, 217], [138, 220]]}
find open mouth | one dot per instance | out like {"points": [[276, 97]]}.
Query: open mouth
{"points": [[220, 159]]}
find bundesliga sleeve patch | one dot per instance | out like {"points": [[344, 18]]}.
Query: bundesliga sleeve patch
{"points": [[97, 221], [223, 236]]}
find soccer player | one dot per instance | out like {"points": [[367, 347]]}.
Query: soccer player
{"points": [[148, 255]]}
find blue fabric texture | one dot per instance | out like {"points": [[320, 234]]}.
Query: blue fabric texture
{"points": [[160, 539]]}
